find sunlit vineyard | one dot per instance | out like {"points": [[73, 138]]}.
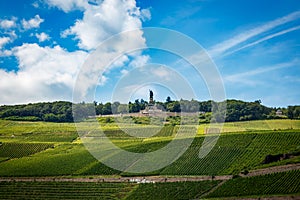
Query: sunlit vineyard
{"points": [[234, 153], [177, 190], [18, 150], [64, 190], [39, 149], [270, 184]]}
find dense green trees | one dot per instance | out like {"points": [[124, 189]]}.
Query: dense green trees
{"points": [[242, 111], [293, 112], [61, 111]]}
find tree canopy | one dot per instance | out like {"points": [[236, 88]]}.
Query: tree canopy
{"points": [[61, 111]]}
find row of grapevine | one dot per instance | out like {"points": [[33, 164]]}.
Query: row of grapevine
{"points": [[97, 168], [65, 159], [64, 190], [175, 190], [271, 184], [18, 150], [227, 149], [140, 131], [234, 153], [263, 144]]}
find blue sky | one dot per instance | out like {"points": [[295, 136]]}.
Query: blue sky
{"points": [[255, 46]]}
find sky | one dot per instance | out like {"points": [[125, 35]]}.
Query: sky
{"points": [[49, 50]]}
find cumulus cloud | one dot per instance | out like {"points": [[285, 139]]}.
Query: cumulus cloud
{"points": [[45, 74], [7, 24], [49, 73], [4, 41], [145, 14], [101, 21], [68, 5], [42, 37], [32, 23]]}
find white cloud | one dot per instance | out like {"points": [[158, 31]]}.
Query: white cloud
{"points": [[32, 23], [10, 37], [5, 53], [68, 5], [35, 4], [49, 73], [104, 20], [139, 61], [4, 41], [45, 74], [124, 72], [145, 14], [7, 24], [42, 37], [246, 35]]}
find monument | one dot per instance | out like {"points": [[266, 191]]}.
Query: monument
{"points": [[151, 102], [152, 109]]}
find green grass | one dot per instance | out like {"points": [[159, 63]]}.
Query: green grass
{"points": [[64, 190], [272, 184], [175, 190]]}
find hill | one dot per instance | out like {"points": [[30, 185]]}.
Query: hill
{"points": [[61, 111]]}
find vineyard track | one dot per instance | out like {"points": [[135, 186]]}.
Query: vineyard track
{"points": [[270, 170], [292, 197], [159, 179]]}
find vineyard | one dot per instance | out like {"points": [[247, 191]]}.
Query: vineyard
{"points": [[40, 149], [270, 184], [177, 190], [232, 154], [63, 190], [64, 159], [18, 150]]}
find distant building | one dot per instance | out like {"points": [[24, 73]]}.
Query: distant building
{"points": [[279, 112]]}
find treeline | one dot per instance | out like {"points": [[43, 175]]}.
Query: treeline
{"points": [[61, 111], [138, 105]]}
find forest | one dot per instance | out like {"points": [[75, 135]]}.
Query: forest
{"points": [[61, 111]]}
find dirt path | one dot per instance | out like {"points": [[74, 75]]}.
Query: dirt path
{"points": [[268, 198], [151, 179], [270, 170], [147, 179]]}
